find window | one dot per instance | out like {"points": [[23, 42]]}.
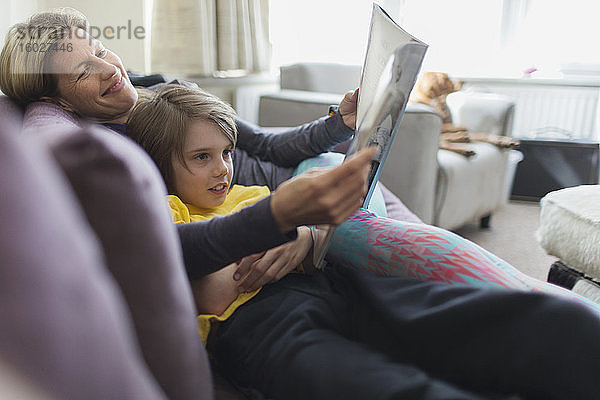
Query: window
{"points": [[319, 31], [466, 37]]}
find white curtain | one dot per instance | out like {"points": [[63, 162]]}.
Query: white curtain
{"points": [[210, 37]]}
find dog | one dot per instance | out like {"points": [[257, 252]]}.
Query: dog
{"points": [[431, 89]]}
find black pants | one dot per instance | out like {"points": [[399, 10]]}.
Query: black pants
{"points": [[344, 334]]}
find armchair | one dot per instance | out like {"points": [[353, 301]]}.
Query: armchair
{"points": [[440, 187]]}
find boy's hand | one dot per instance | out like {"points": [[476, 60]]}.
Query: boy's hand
{"points": [[259, 269]]}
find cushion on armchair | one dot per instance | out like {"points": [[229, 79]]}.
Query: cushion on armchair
{"points": [[482, 112]]}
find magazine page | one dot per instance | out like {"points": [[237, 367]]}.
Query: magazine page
{"points": [[385, 35], [383, 116], [391, 66]]}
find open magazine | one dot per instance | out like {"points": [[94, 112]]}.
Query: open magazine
{"points": [[391, 66]]}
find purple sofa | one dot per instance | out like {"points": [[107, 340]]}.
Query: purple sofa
{"points": [[94, 300]]}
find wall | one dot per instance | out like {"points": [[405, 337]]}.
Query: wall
{"points": [[123, 17], [15, 11], [544, 107]]}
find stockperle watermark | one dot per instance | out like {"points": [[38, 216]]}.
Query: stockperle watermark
{"points": [[57, 38]]}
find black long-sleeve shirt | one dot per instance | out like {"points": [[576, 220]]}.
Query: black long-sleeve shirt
{"points": [[269, 159]]}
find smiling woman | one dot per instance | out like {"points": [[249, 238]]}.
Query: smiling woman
{"points": [[93, 74], [53, 58]]}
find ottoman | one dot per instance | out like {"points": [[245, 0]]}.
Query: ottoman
{"points": [[570, 230]]}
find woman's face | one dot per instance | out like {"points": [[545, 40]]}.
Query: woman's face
{"points": [[91, 79], [208, 156]]}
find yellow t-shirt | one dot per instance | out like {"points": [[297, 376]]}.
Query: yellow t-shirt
{"points": [[237, 198]]}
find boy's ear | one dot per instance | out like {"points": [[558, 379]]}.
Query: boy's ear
{"points": [[59, 102]]}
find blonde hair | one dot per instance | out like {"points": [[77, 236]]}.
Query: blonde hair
{"points": [[159, 121], [24, 72]]}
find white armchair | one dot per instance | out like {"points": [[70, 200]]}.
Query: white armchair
{"points": [[440, 187]]}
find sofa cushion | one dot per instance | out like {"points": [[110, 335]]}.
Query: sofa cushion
{"points": [[63, 322], [41, 115], [320, 77], [123, 198]]}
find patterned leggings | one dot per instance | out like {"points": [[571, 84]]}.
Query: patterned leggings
{"points": [[396, 248]]}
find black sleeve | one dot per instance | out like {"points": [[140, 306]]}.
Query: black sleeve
{"points": [[286, 149], [211, 245], [250, 170], [289, 148]]}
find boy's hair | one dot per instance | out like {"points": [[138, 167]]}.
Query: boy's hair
{"points": [[159, 121]]}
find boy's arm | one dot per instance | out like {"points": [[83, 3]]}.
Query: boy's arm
{"points": [[290, 147]]}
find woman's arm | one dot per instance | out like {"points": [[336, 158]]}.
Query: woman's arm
{"points": [[250, 170], [269, 159], [210, 245], [289, 148]]}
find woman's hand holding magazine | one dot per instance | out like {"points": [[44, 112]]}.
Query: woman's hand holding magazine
{"points": [[326, 196]]}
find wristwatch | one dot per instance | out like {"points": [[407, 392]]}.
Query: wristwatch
{"points": [[333, 110]]}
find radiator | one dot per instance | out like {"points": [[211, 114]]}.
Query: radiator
{"points": [[545, 108]]}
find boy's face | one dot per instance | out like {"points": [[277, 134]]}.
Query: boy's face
{"points": [[208, 156]]}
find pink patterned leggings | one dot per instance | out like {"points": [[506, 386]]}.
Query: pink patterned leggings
{"points": [[389, 247]]}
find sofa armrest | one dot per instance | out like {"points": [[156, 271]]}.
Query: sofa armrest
{"points": [[410, 170], [482, 112], [294, 107], [320, 77]]}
